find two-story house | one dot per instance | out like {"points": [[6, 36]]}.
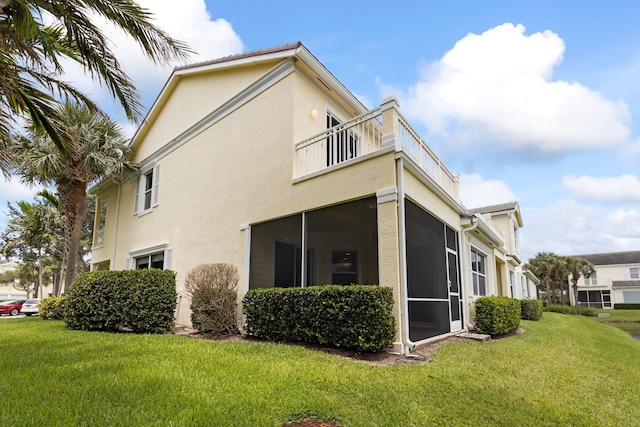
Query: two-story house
{"points": [[616, 280], [266, 161], [511, 278]]}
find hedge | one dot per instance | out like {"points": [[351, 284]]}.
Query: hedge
{"points": [[143, 301], [530, 309], [569, 309], [626, 306], [52, 308], [497, 315], [357, 317]]}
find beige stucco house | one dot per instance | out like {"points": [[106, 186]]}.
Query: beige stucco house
{"points": [[266, 161], [616, 280], [511, 279]]}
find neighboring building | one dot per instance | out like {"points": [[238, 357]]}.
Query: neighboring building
{"points": [[510, 278], [266, 161], [616, 280]]}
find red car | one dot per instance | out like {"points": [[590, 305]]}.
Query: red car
{"points": [[11, 308]]}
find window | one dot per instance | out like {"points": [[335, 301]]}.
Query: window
{"points": [[512, 280], [101, 215], [342, 145], [634, 272], [592, 279], [150, 261], [154, 257], [523, 282], [147, 190], [478, 273]]}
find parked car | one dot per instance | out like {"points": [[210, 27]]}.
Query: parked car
{"points": [[30, 306], [12, 308]]}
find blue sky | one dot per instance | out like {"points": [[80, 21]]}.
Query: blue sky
{"points": [[534, 101]]}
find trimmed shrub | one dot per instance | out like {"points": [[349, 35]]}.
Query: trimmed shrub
{"points": [[568, 309], [357, 317], [52, 308], [213, 297], [626, 306], [497, 315], [143, 301], [530, 309]]}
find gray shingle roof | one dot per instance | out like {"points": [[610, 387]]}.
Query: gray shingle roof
{"points": [[612, 258], [241, 56]]}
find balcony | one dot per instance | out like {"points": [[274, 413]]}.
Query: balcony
{"points": [[377, 129]]}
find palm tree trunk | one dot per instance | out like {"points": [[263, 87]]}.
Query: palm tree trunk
{"points": [[75, 207], [547, 285]]}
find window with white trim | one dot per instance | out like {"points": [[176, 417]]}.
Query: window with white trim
{"points": [[479, 273], [634, 272], [150, 261], [154, 257], [101, 214], [512, 286], [592, 279], [147, 190]]}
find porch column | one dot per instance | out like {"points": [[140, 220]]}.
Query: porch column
{"points": [[388, 255], [390, 135]]}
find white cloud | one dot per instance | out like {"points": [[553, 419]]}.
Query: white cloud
{"points": [[496, 91], [476, 192], [189, 22], [622, 188], [572, 228], [13, 190]]}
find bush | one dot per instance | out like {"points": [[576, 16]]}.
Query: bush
{"points": [[627, 306], [568, 309], [52, 308], [530, 309], [497, 315], [213, 298], [357, 317], [143, 301]]}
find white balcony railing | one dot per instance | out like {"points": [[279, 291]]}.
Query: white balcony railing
{"points": [[420, 152], [365, 134], [346, 141]]}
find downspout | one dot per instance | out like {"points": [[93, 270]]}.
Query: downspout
{"points": [[474, 225], [115, 231], [402, 233]]}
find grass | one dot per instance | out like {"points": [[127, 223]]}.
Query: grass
{"points": [[565, 370], [627, 320]]}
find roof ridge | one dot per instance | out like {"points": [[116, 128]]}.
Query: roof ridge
{"points": [[242, 55]]}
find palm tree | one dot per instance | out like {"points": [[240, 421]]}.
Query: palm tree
{"points": [[578, 267], [31, 53], [31, 234], [544, 265], [96, 150]]}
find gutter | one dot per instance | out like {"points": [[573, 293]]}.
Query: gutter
{"points": [[474, 224], [402, 232]]}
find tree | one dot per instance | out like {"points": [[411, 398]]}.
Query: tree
{"points": [[31, 51], [545, 266], [578, 267], [31, 234], [96, 150]]}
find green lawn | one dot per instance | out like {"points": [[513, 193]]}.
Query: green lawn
{"points": [[627, 320], [564, 370]]}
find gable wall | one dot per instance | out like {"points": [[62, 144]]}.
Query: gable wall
{"points": [[193, 98]]}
